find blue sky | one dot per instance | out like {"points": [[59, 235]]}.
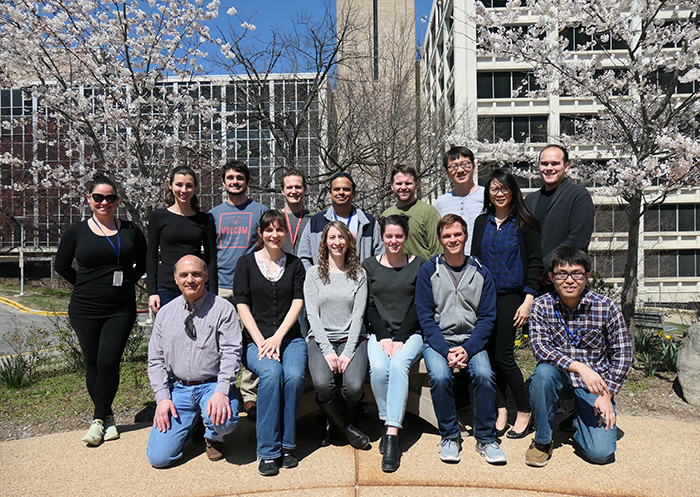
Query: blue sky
{"points": [[267, 14]]}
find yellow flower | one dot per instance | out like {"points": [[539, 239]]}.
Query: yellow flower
{"points": [[517, 343], [668, 337]]}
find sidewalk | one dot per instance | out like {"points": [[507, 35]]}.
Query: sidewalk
{"points": [[655, 458]]}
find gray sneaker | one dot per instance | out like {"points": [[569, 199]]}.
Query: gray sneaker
{"points": [[492, 452], [450, 449]]}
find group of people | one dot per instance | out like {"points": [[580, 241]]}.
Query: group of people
{"points": [[342, 293]]}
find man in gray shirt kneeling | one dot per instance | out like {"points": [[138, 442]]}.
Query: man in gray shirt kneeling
{"points": [[193, 357]]}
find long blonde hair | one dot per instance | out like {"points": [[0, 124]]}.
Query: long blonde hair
{"points": [[352, 262]]}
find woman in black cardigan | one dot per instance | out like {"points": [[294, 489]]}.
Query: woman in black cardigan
{"points": [[507, 241], [268, 286]]}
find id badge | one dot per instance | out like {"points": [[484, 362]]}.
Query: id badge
{"points": [[117, 278]]}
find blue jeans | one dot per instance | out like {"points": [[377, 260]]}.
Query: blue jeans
{"points": [[389, 377], [279, 393], [190, 402], [482, 378], [549, 384]]}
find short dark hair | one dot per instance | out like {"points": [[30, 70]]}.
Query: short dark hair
{"points": [[238, 166], [569, 255], [342, 174], [294, 172], [560, 147], [448, 219], [456, 152], [400, 220], [403, 169]]}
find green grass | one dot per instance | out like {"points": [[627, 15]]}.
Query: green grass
{"points": [[636, 386], [39, 298], [60, 393]]}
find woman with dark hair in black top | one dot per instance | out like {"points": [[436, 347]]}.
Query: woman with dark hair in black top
{"points": [[180, 229], [111, 257], [268, 286]]}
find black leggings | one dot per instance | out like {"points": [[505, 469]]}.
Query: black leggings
{"points": [[500, 349], [102, 341]]}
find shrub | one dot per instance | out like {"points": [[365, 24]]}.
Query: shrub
{"points": [[30, 343], [656, 351], [12, 371]]}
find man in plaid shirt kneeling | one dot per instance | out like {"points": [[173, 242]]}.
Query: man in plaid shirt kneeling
{"points": [[583, 350]]}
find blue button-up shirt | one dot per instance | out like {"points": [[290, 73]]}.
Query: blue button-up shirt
{"points": [[500, 252], [598, 328]]}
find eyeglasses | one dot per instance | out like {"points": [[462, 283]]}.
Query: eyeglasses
{"points": [[503, 190], [577, 276], [99, 198], [465, 164], [190, 330]]}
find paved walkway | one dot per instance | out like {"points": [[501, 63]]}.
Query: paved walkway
{"points": [[655, 458]]}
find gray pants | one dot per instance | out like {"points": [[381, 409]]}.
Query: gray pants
{"points": [[350, 383]]}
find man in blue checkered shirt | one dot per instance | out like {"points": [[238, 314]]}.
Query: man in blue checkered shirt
{"points": [[583, 350]]}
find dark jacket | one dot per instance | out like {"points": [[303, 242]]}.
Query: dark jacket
{"points": [[569, 220]]}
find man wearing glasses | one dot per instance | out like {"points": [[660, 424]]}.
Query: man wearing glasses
{"points": [[361, 224], [467, 198], [193, 357], [583, 351]]}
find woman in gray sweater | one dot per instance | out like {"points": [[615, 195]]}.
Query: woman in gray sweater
{"points": [[335, 292]]}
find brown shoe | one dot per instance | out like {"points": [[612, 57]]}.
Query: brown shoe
{"points": [[214, 450], [538, 454], [251, 409]]}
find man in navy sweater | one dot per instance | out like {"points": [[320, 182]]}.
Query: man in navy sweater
{"points": [[456, 305]]}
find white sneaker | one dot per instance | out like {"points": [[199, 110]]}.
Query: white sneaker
{"points": [[93, 436], [111, 432], [450, 449], [492, 452]]}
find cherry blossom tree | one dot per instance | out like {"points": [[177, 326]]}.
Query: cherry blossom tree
{"points": [[98, 71], [639, 60]]}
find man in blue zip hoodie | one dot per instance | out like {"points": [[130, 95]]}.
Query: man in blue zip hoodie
{"points": [[456, 304]]}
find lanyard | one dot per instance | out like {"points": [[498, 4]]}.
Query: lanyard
{"points": [[349, 223], [293, 236], [572, 335], [119, 243]]}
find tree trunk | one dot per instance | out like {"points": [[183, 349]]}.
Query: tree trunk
{"points": [[629, 288]]}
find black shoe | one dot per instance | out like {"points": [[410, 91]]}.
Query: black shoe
{"points": [[382, 441], [338, 416], [328, 433], [356, 438], [522, 434], [289, 460], [500, 433], [392, 456], [268, 467]]}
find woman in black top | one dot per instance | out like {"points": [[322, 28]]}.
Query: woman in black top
{"points": [[111, 257], [268, 287], [179, 230], [395, 340]]}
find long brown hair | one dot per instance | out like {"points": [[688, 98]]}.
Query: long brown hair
{"points": [[185, 171], [352, 262]]}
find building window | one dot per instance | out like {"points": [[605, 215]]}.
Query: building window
{"points": [[503, 84], [609, 264], [672, 263], [611, 219], [676, 217], [519, 128]]}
